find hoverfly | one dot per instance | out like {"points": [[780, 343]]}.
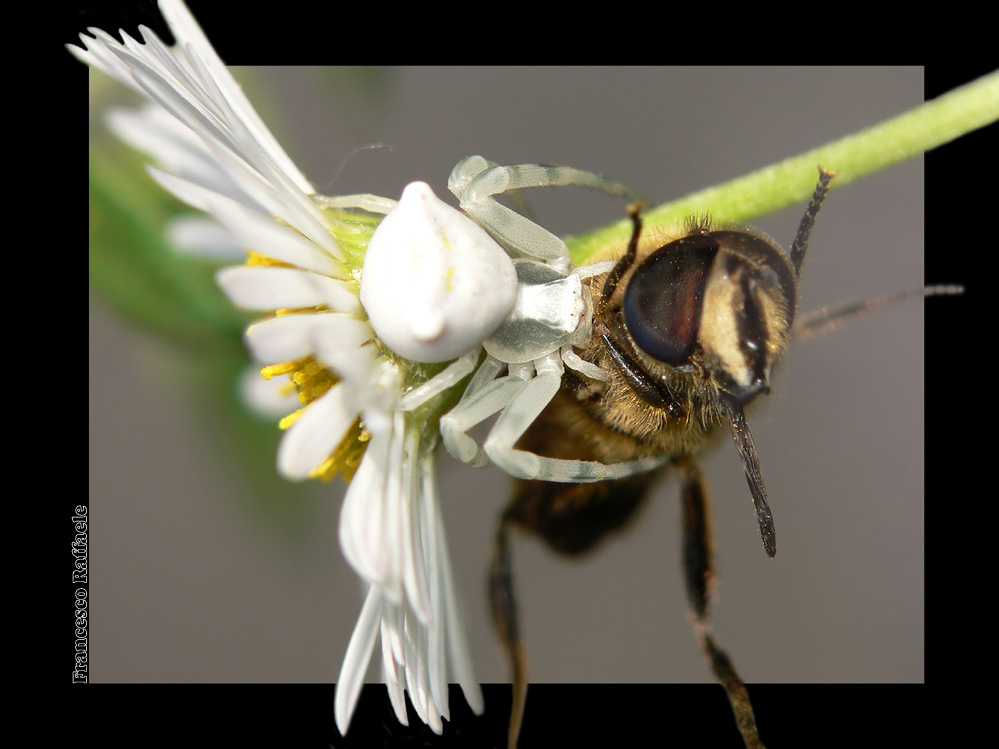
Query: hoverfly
{"points": [[688, 325]]}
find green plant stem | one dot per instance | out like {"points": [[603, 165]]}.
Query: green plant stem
{"points": [[792, 180]]}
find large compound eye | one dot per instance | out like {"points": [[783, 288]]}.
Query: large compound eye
{"points": [[663, 301]]}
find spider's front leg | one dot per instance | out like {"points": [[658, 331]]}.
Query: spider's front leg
{"points": [[551, 312], [518, 416], [451, 375], [484, 397], [475, 180]]}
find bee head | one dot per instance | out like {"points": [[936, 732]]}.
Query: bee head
{"points": [[720, 300], [718, 303]]}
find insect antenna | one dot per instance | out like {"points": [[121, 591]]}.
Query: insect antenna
{"points": [[828, 318], [800, 243], [754, 475]]}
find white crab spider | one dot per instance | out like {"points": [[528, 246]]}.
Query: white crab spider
{"points": [[436, 287]]}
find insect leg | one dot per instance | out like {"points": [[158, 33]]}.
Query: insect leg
{"points": [[448, 377], [475, 181], [366, 201], [503, 605], [493, 179], [483, 403], [518, 416], [699, 576], [614, 277]]}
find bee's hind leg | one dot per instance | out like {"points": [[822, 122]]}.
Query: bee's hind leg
{"points": [[572, 519], [503, 605], [699, 577]]}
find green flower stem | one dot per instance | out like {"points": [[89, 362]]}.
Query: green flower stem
{"points": [[791, 181]]}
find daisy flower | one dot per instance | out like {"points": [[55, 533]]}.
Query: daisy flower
{"points": [[367, 413]]}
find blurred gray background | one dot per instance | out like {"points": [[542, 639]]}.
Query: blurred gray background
{"points": [[187, 585]]}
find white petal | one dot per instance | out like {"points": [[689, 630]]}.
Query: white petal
{"points": [[255, 231], [275, 192], [455, 636], [355, 660], [271, 288], [171, 96], [393, 627], [190, 83], [295, 336], [186, 31], [382, 400], [413, 572], [193, 194], [416, 672], [394, 518], [281, 339], [391, 669], [250, 164], [377, 419], [432, 538], [274, 398], [98, 56], [397, 696], [434, 713], [339, 342], [175, 147], [314, 436], [415, 667], [203, 236], [362, 532]]}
